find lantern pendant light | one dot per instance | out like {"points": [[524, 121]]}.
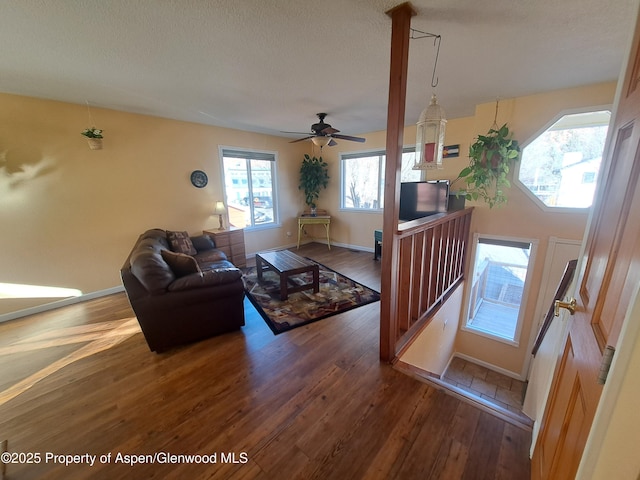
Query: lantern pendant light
{"points": [[430, 137]]}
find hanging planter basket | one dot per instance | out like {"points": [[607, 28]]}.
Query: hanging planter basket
{"points": [[94, 137], [95, 143]]}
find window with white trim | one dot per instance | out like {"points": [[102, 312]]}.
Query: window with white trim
{"points": [[499, 282], [250, 190], [362, 178], [560, 166]]}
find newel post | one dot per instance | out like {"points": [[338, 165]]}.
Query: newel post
{"points": [[400, 34]]}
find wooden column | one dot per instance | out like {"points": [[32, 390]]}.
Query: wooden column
{"points": [[400, 33]]}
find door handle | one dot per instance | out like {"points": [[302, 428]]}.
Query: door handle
{"points": [[570, 305]]}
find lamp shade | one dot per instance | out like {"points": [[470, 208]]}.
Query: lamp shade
{"points": [[430, 137], [220, 208]]}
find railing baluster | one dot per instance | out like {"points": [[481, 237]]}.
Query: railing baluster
{"points": [[431, 261]]}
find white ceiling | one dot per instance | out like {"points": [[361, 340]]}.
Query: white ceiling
{"points": [[270, 65]]}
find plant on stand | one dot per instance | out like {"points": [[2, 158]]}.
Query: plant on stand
{"points": [[314, 175], [94, 137], [490, 159]]}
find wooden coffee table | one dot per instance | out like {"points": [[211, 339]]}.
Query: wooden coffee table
{"points": [[286, 264]]}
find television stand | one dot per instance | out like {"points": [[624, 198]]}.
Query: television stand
{"points": [[377, 244]]}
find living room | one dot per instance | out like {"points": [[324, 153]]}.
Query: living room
{"points": [[92, 205], [100, 201]]}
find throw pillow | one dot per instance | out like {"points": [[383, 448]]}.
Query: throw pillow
{"points": [[181, 243], [202, 243], [180, 264]]}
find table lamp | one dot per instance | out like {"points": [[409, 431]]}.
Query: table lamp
{"points": [[220, 210]]}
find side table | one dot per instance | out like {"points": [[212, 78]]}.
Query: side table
{"points": [[231, 242], [317, 220]]}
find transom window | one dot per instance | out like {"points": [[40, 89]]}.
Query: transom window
{"points": [[249, 182], [560, 166], [362, 178]]}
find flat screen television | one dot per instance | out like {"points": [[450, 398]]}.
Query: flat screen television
{"points": [[421, 199]]}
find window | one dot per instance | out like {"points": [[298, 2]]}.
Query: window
{"points": [[363, 178], [249, 181], [560, 166], [498, 287]]}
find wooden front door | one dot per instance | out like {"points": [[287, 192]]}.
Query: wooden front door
{"points": [[609, 272]]}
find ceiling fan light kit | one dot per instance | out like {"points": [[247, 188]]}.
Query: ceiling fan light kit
{"points": [[320, 141], [323, 134]]}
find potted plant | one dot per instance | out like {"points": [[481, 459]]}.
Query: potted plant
{"points": [[94, 137], [314, 175], [490, 159]]}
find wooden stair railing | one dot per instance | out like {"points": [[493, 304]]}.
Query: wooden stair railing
{"points": [[431, 264]]}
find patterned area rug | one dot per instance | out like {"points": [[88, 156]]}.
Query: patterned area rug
{"points": [[337, 294]]}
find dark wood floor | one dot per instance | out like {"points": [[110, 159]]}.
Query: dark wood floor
{"points": [[314, 402]]}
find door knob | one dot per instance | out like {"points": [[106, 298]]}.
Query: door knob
{"points": [[570, 305]]}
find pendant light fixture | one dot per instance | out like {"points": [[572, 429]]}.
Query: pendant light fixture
{"points": [[430, 136], [432, 122]]}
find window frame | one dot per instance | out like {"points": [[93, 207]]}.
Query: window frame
{"points": [[516, 171], [382, 154], [247, 154], [464, 326]]}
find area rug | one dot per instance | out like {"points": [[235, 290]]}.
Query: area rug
{"points": [[337, 294]]}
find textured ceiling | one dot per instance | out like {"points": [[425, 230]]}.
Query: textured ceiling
{"points": [[269, 66]]}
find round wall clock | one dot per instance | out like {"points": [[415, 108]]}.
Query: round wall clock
{"points": [[199, 178]]}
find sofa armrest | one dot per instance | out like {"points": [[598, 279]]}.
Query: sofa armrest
{"points": [[207, 278]]}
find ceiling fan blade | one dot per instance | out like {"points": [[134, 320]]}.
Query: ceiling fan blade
{"points": [[329, 130], [302, 139], [350, 138], [297, 133], [332, 142]]}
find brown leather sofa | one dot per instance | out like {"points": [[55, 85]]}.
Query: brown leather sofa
{"points": [[182, 290]]}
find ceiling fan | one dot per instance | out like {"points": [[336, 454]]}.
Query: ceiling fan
{"points": [[323, 134]]}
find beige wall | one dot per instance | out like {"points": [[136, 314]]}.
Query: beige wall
{"points": [[434, 347], [70, 215], [521, 217]]}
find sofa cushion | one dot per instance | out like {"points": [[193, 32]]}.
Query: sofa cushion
{"points": [[181, 242], [180, 263], [208, 278], [149, 267], [202, 243], [210, 256]]}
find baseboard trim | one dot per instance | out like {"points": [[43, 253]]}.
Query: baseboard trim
{"points": [[488, 365], [316, 240], [59, 303], [345, 245]]}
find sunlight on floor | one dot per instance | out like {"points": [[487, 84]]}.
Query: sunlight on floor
{"points": [[16, 290], [100, 337]]}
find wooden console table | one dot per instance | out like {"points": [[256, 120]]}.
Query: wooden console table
{"points": [[317, 220], [231, 242]]}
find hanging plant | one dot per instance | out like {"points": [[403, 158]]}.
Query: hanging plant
{"points": [[490, 159], [94, 137], [314, 175]]}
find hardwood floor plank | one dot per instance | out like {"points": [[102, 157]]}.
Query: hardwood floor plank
{"points": [[485, 448], [451, 461], [515, 444], [427, 445], [314, 402]]}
